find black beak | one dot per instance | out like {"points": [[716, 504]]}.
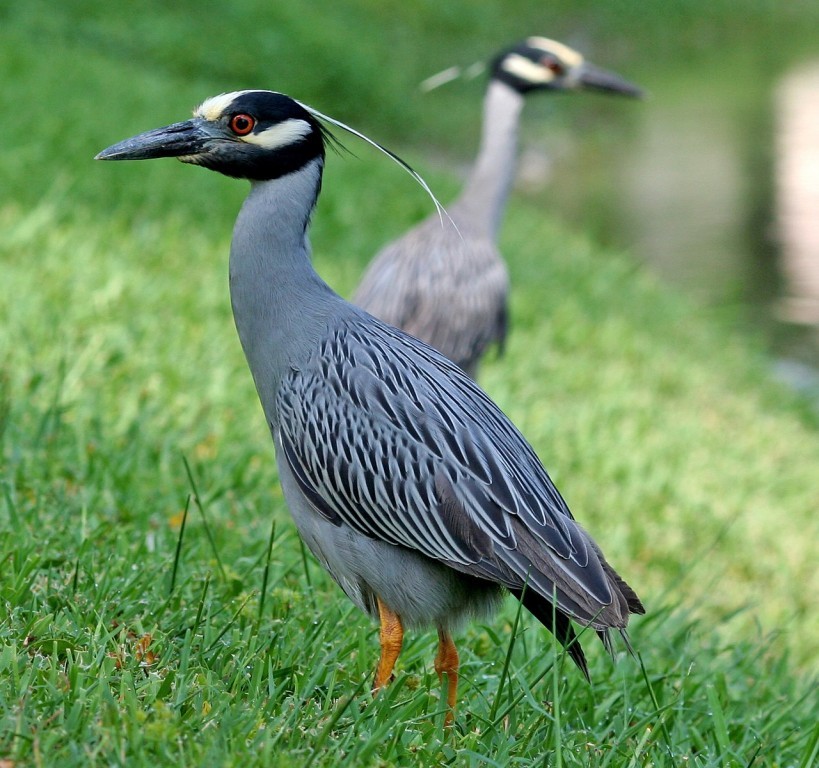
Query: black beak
{"points": [[177, 140], [596, 79]]}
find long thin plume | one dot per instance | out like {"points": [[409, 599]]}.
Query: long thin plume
{"points": [[395, 158], [450, 74]]}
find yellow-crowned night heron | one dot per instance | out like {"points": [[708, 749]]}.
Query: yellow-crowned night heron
{"points": [[448, 285], [418, 495]]}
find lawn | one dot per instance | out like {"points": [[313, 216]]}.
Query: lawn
{"points": [[156, 605]]}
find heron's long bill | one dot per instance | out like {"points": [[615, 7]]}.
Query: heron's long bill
{"points": [[598, 79], [177, 140]]}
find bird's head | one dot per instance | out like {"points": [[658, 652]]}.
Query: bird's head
{"points": [[255, 135], [540, 64], [246, 134]]}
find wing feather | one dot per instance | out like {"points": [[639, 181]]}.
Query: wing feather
{"points": [[446, 287], [387, 436]]}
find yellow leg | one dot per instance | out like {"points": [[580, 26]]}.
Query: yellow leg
{"points": [[446, 663], [391, 637]]}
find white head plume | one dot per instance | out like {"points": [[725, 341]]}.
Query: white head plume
{"points": [[395, 158]]}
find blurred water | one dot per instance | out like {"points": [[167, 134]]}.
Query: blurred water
{"points": [[796, 198], [797, 193], [717, 190]]}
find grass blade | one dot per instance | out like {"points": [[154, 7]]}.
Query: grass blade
{"points": [[718, 715], [811, 755], [266, 573], [178, 552], [198, 501], [508, 659]]}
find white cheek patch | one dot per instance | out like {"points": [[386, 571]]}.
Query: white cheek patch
{"points": [[567, 55], [213, 108], [526, 69], [280, 135]]}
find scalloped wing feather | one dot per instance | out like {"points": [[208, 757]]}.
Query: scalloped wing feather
{"points": [[389, 437]]}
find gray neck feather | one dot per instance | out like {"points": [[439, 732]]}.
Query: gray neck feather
{"points": [[484, 196], [280, 305]]}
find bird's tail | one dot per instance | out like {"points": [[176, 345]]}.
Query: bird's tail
{"points": [[559, 623]]}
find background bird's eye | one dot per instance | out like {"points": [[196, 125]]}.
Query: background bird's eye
{"points": [[553, 64], [242, 124]]}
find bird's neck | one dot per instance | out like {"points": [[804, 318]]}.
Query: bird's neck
{"points": [[484, 196], [280, 305]]}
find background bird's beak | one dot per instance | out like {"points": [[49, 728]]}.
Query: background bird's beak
{"points": [[596, 79], [175, 140]]}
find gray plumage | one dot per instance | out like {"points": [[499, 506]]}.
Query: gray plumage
{"points": [[403, 478], [448, 285]]}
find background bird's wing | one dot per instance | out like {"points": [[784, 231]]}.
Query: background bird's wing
{"points": [[386, 436], [444, 287]]}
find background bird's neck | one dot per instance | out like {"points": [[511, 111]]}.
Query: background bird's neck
{"points": [[280, 305], [484, 196]]}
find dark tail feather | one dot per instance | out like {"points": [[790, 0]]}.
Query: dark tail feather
{"points": [[632, 601], [556, 622], [605, 638]]}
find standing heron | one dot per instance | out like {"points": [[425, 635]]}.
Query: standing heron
{"points": [[448, 285], [404, 479]]}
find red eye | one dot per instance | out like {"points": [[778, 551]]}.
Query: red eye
{"points": [[242, 124], [552, 64]]}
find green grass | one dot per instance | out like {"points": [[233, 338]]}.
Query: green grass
{"points": [[143, 624]]}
